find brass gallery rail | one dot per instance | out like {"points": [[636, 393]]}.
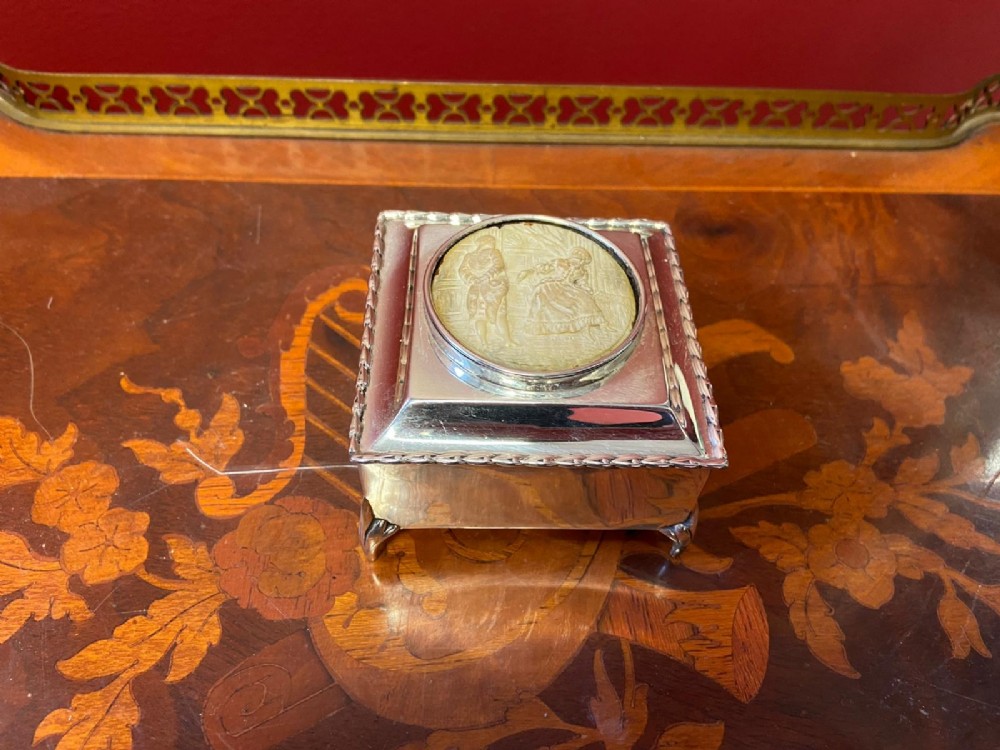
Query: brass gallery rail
{"points": [[451, 111]]}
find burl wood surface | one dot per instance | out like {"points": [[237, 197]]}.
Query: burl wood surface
{"points": [[177, 568]]}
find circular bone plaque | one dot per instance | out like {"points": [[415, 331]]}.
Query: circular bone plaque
{"points": [[535, 297]]}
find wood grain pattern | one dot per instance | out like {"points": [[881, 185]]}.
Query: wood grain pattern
{"points": [[969, 168], [271, 696], [722, 634], [842, 592]]}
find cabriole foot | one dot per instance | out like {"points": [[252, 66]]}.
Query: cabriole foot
{"points": [[680, 533], [375, 532]]}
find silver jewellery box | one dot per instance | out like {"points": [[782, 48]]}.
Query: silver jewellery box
{"points": [[530, 372]]}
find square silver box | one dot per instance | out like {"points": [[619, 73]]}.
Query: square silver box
{"points": [[450, 434]]}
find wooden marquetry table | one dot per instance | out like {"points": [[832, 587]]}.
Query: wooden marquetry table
{"points": [[179, 562]]}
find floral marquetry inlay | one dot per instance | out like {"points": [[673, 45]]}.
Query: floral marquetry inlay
{"points": [[847, 550], [179, 559], [291, 557]]}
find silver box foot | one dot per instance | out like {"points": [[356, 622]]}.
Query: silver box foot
{"points": [[680, 534], [375, 532]]}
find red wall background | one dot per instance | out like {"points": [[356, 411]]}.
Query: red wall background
{"points": [[919, 46]]}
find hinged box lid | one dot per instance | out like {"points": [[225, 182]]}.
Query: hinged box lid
{"points": [[530, 340]]}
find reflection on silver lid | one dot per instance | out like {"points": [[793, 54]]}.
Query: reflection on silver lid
{"points": [[533, 304], [438, 382]]}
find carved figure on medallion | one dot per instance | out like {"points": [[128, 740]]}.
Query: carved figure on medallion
{"points": [[534, 297], [484, 273], [563, 301]]}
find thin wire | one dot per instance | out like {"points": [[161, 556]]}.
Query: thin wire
{"points": [[245, 472], [31, 376], [195, 456]]}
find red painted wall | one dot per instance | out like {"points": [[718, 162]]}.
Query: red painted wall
{"points": [[922, 46]]}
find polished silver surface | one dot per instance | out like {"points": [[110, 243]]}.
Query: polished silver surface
{"points": [[435, 495], [375, 532], [655, 410], [681, 534], [449, 434]]}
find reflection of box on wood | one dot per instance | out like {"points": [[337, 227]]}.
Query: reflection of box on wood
{"points": [[530, 372]]}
